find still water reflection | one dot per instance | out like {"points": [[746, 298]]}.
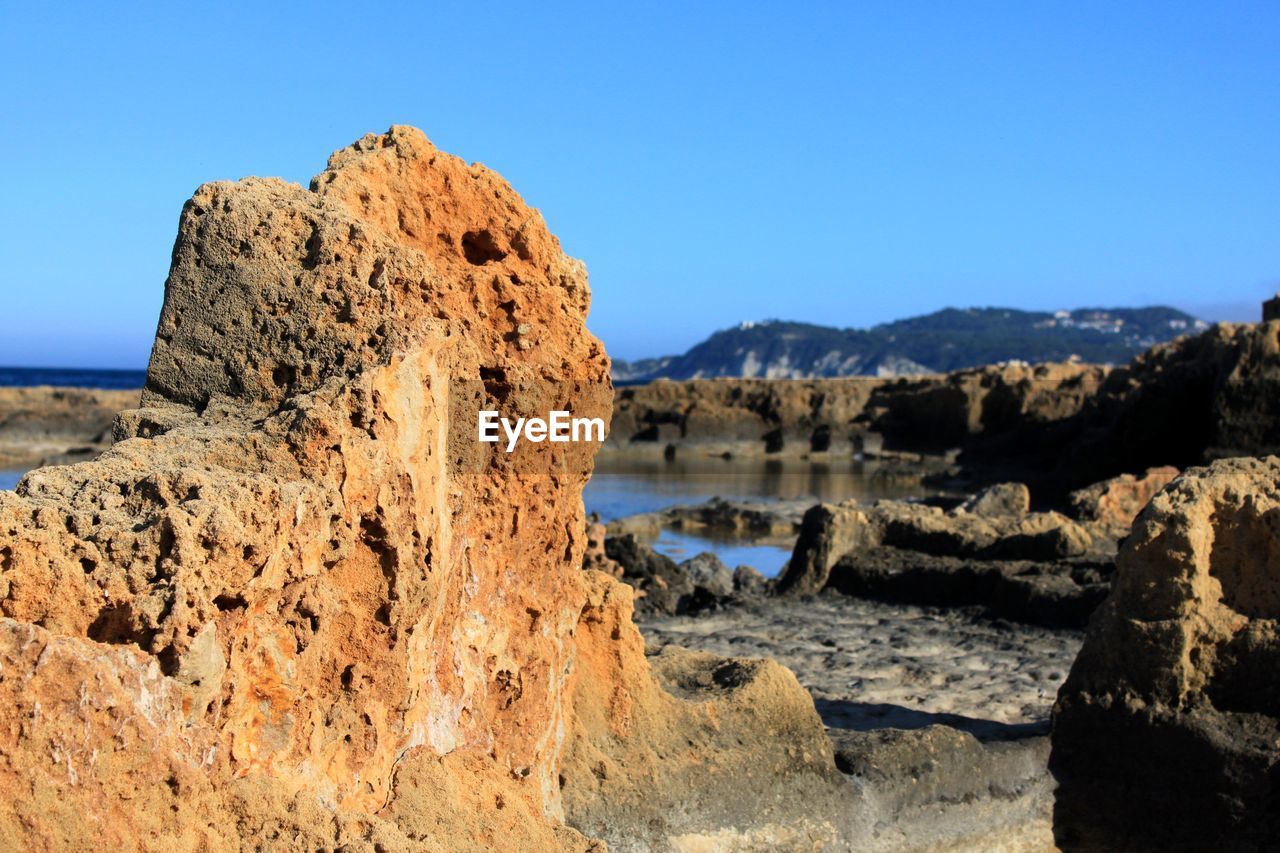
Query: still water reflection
{"points": [[625, 486]]}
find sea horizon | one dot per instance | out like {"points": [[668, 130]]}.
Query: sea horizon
{"points": [[103, 378]]}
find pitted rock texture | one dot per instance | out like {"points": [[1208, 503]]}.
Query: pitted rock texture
{"points": [[1166, 733], [298, 605], [293, 605]]}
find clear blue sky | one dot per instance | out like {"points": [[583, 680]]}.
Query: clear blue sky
{"points": [[843, 163]]}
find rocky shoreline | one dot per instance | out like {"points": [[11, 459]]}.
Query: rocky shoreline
{"points": [[1055, 427], [286, 602], [933, 637], [43, 425], [988, 550]]}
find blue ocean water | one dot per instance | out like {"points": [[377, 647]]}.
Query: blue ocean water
{"points": [[72, 377], [9, 479]]}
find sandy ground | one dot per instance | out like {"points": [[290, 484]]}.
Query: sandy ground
{"points": [[872, 665]]}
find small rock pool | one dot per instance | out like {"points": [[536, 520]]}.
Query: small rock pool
{"points": [[623, 486]]}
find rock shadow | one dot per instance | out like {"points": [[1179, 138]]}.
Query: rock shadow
{"points": [[869, 716]]}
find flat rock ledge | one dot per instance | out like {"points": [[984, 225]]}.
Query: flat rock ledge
{"points": [[989, 551]]}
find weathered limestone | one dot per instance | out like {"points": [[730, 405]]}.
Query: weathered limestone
{"points": [[690, 751], [1187, 402], [292, 573], [1003, 531], [847, 416], [1167, 731], [298, 605], [1057, 427], [1111, 506], [1000, 500]]}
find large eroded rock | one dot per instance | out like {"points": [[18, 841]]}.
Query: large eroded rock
{"points": [[297, 584], [298, 605], [1166, 734]]}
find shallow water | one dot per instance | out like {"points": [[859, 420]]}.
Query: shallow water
{"points": [[622, 487], [9, 479], [766, 559]]}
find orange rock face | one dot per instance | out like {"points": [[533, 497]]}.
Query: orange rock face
{"points": [[299, 605], [297, 578], [1113, 504]]}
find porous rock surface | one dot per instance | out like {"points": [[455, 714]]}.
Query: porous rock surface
{"points": [[1111, 506], [297, 605], [1166, 733]]}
